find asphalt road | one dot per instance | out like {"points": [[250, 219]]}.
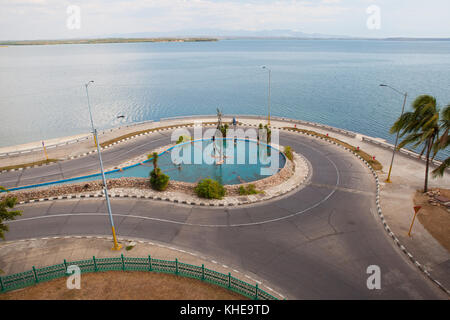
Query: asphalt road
{"points": [[314, 243], [85, 165]]}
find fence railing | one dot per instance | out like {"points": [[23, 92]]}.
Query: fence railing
{"points": [[37, 275]]}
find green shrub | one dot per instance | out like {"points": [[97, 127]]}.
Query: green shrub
{"points": [[183, 139], [210, 189], [159, 180], [249, 189], [288, 152]]}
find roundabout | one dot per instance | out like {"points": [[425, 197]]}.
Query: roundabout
{"points": [[313, 242]]}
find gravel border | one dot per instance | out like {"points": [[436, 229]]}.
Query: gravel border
{"points": [[296, 180]]}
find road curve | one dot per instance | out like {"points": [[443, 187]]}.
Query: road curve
{"points": [[314, 243]]}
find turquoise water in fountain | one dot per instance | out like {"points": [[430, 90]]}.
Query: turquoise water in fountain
{"points": [[227, 161], [232, 171]]}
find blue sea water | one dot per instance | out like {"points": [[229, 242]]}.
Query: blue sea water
{"points": [[335, 82]]}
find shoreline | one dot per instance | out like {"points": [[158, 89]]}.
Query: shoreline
{"points": [[36, 146], [101, 41]]}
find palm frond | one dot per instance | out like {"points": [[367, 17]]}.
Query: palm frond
{"points": [[411, 138], [439, 171]]}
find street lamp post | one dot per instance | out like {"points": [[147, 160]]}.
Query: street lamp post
{"points": [[388, 180], [268, 99], [116, 246]]}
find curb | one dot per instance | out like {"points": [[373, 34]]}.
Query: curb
{"points": [[101, 148], [405, 152], [166, 199], [143, 241], [380, 213]]}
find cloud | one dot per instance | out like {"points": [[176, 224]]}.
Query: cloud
{"points": [[31, 19], [224, 14], [331, 1]]}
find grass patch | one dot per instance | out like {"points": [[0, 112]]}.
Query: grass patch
{"points": [[288, 152], [128, 248], [129, 135], [249, 189], [24, 165], [376, 165]]}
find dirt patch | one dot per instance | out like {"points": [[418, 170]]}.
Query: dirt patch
{"points": [[30, 164], [119, 285], [436, 219]]}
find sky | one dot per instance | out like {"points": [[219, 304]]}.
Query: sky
{"points": [[59, 19]]}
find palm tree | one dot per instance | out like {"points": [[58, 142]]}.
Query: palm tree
{"points": [[154, 156], [443, 142], [420, 127], [155, 160]]}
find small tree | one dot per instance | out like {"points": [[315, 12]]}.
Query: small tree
{"points": [[224, 129], [269, 133], [158, 180], [155, 160], [5, 214]]}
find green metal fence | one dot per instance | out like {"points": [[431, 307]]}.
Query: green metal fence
{"points": [[37, 275]]}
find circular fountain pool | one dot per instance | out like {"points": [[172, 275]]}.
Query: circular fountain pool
{"points": [[227, 161]]}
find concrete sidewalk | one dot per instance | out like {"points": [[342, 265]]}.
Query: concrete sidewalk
{"points": [[20, 256]]}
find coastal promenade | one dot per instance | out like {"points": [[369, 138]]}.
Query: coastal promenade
{"points": [[321, 254]]}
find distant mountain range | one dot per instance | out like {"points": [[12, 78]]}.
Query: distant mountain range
{"points": [[226, 34], [208, 34], [248, 34]]}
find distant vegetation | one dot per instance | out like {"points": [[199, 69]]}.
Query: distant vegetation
{"points": [[96, 41]]}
